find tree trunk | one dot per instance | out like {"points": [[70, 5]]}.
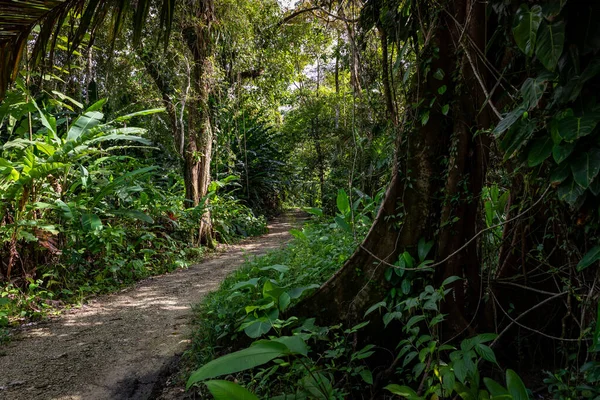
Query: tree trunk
{"points": [[414, 207], [200, 134]]}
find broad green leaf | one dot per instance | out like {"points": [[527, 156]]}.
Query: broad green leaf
{"points": [[586, 167], [517, 136], [486, 353], [295, 344], [403, 391], [84, 123], [298, 234], [496, 390], [297, 292], [408, 358], [65, 97], [375, 306], [226, 390], [485, 337], [515, 386], [341, 222], [460, 370], [91, 222], [533, 90], [595, 187], [405, 286], [509, 119], [464, 392], [151, 111], [450, 280], [551, 39], [590, 258], [260, 353], [245, 284], [448, 379], [97, 105], [569, 191], [120, 181], [276, 267], [272, 290], [489, 213], [425, 118], [413, 320], [118, 136], [571, 127], [560, 152], [343, 203], [45, 148], [66, 210], [406, 260], [47, 120], [18, 143], [258, 327], [560, 173], [366, 376], [540, 150], [445, 109], [389, 317], [357, 327], [525, 27], [423, 248], [318, 385]]}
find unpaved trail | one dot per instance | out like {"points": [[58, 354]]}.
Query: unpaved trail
{"points": [[116, 346]]}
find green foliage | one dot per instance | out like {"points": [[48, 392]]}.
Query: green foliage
{"points": [[555, 121], [526, 24], [253, 152], [582, 383], [251, 302], [225, 390], [231, 219], [302, 363], [81, 213], [261, 352]]}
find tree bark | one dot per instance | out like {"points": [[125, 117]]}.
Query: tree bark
{"points": [[200, 134], [414, 207]]}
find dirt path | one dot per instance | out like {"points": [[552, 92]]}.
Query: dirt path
{"points": [[116, 346]]}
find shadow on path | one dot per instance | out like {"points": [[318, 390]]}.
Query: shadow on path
{"points": [[117, 346]]}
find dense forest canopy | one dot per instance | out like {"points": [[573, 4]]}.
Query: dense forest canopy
{"points": [[449, 150]]}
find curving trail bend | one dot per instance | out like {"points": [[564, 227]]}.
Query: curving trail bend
{"points": [[117, 346]]}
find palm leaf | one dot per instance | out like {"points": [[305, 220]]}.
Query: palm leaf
{"points": [[18, 19]]}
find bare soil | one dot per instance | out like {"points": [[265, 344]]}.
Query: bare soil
{"points": [[120, 345]]}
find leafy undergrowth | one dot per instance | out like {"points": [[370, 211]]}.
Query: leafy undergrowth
{"points": [[242, 307], [246, 335], [252, 302], [84, 209], [129, 253]]}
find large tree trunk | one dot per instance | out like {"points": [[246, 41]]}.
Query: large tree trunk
{"points": [[200, 136], [417, 202]]}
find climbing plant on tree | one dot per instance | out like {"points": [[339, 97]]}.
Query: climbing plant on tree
{"points": [[503, 85]]}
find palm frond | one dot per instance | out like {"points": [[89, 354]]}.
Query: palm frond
{"points": [[19, 17]]}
